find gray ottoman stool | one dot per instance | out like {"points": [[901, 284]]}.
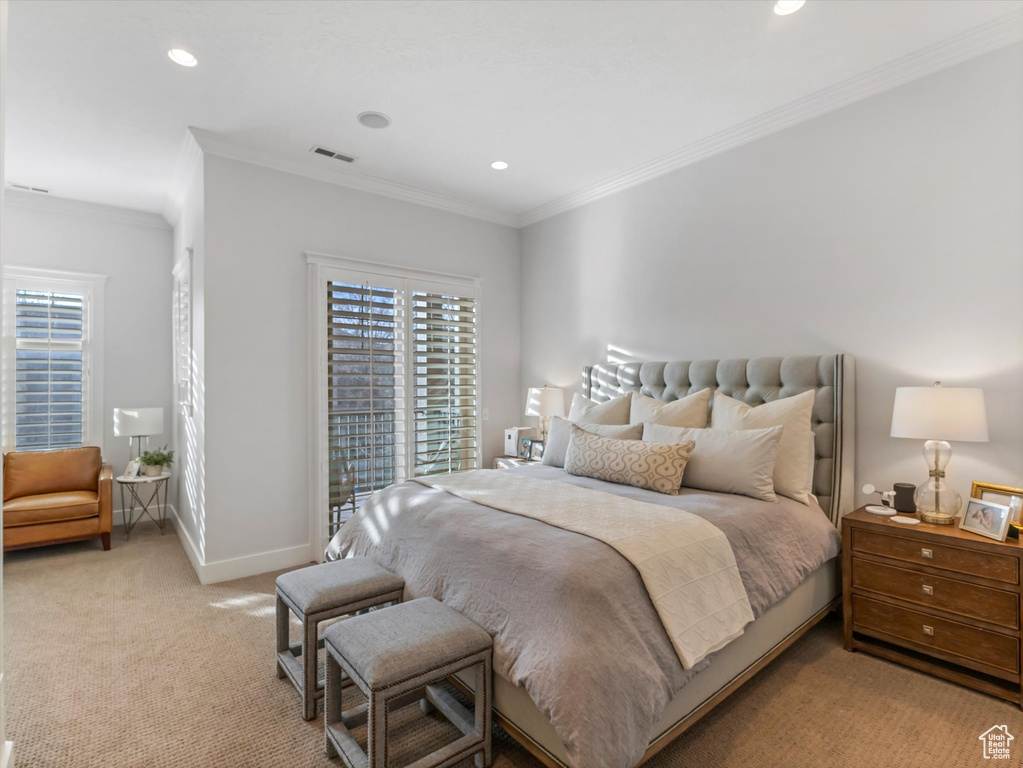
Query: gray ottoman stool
{"points": [[319, 593], [395, 657]]}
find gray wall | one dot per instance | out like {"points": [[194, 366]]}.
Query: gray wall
{"points": [[891, 229], [136, 323], [259, 224]]}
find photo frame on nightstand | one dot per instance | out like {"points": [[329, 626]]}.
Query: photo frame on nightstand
{"points": [[986, 518]]}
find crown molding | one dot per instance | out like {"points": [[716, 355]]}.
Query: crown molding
{"points": [[985, 38], [215, 145], [68, 207]]}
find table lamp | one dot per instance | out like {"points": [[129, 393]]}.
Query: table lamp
{"points": [[137, 423], [544, 403], [938, 414]]}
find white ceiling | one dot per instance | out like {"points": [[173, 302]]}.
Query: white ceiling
{"points": [[571, 94]]}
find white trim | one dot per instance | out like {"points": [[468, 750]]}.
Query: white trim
{"points": [[68, 207], [7, 756], [191, 551], [342, 177], [92, 286], [53, 275], [237, 567], [982, 39], [375, 268], [318, 498]]}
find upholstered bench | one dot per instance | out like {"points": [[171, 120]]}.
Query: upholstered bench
{"points": [[316, 594], [395, 657]]}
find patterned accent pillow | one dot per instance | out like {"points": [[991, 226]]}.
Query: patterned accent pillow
{"points": [[558, 436], [654, 466]]}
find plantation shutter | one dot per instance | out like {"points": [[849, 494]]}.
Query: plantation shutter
{"points": [[365, 393], [49, 392], [444, 369]]}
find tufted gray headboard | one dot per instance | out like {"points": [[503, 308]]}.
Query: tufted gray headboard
{"points": [[754, 381]]}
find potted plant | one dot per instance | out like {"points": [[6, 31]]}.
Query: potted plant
{"points": [[154, 462]]}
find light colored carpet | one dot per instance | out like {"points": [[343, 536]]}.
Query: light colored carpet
{"points": [[122, 658]]}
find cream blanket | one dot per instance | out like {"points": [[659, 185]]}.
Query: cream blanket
{"points": [[686, 563]]}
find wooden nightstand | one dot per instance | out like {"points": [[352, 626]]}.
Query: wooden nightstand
{"points": [[934, 598], [507, 462]]}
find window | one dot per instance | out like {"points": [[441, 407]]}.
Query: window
{"points": [[51, 389], [399, 372]]}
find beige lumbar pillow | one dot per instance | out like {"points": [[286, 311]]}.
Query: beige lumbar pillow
{"points": [[724, 460], [654, 466], [688, 411], [793, 415], [558, 436], [585, 411]]}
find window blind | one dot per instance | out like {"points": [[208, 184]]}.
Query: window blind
{"points": [[444, 373], [365, 393], [49, 392]]}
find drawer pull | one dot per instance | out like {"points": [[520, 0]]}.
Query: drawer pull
{"points": [[928, 590], [927, 554], [928, 630]]}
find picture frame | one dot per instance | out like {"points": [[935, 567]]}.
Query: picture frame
{"points": [[535, 450], [132, 470], [999, 494], [986, 518], [524, 447]]}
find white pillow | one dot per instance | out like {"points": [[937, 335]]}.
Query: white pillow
{"points": [[739, 461], [560, 433], [688, 411], [584, 411], [791, 413]]}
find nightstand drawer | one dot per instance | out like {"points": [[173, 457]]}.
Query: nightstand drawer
{"points": [[978, 649], [970, 600], [959, 560]]}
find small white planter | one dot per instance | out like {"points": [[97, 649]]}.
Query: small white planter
{"points": [[152, 470]]}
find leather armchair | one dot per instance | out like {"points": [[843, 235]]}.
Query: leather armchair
{"points": [[51, 497]]}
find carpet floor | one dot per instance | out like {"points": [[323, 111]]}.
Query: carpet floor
{"points": [[122, 658]]}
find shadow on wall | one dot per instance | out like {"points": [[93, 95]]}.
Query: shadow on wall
{"points": [[194, 466]]}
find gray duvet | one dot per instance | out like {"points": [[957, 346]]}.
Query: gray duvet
{"points": [[571, 620]]}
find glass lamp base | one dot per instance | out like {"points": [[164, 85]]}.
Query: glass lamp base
{"points": [[937, 502]]}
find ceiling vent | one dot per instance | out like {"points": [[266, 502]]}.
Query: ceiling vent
{"points": [[27, 188], [331, 153]]}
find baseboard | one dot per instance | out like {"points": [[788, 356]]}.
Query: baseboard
{"points": [[253, 565], [237, 567], [7, 755], [191, 551]]}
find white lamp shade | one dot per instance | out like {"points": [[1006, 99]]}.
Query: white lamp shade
{"points": [[940, 413], [545, 402], [138, 422]]}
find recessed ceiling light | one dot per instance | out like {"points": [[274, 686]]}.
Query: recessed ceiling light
{"points": [[182, 57], [374, 119], [499, 165], [785, 7]]}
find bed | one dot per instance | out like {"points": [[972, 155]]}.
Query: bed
{"points": [[584, 672]]}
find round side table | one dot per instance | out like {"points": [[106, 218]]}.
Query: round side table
{"points": [[133, 485]]}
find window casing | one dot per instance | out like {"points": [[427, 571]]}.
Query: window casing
{"points": [[52, 385], [397, 371]]}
